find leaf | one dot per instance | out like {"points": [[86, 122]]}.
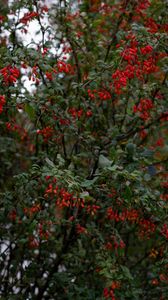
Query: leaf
{"points": [[130, 147], [60, 159], [147, 177], [114, 168], [152, 170], [88, 183], [147, 153], [104, 162], [30, 111], [126, 272], [84, 194], [49, 162]]}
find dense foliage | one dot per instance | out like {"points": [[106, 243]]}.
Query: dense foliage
{"points": [[83, 185]]}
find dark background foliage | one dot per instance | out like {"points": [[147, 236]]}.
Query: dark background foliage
{"points": [[83, 185]]}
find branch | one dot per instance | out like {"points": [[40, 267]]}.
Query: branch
{"points": [[67, 241], [113, 38]]}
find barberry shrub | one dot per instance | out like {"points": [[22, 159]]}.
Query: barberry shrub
{"points": [[83, 184]]}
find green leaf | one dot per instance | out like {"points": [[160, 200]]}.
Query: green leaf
{"points": [[60, 159], [49, 162], [88, 183], [30, 111], [126, 272], [130, 147], [104, 162]]}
